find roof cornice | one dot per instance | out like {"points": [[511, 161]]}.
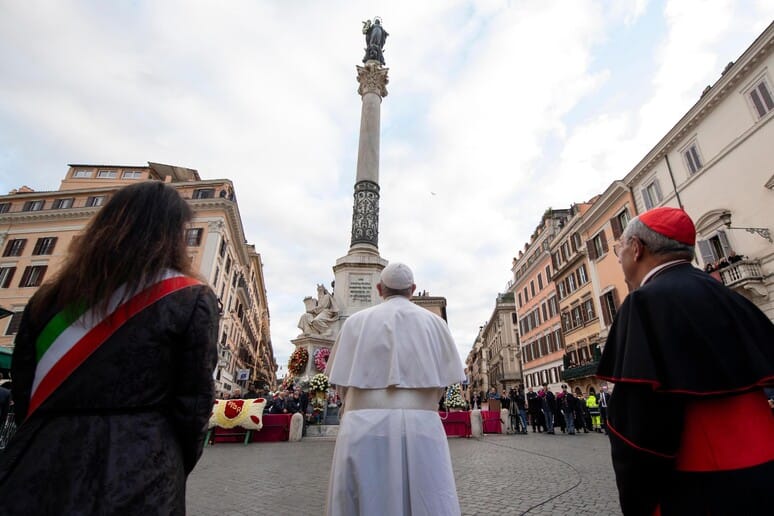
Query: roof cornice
{"points": [[762, 46]]}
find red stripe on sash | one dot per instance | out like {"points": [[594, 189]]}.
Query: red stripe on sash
{"points": [[100, 333]]}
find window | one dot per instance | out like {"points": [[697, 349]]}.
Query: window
{"points": [[33, 205], [526, 297], [619, 223], [597, 246], [5, 207], [204, 193], [577, 317], [14, 323], [44, 245], [33, 276], [692, 159], [132, 174], [548, 273], [565, 251], [651, 194], [228, 265], [520, 303], [576, 242], [193, 237], [532, 287], [82, 173], [571, 286], [15, 247], [540, 281], [62, 204], [609, 302], [6, 275], [553, 308], [556, 259], [544, 307], [561, 290], [582, 277], [714, 248], [107, 174], [588, 310], [94, 201], [222, 251], [760, 95]]}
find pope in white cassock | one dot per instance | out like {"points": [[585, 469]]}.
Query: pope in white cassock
{"points": [[391, 363]]}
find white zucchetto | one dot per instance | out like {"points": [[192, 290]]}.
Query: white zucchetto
{"points": [[397, 276]]}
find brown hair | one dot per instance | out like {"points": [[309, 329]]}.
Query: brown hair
{"points": [[138, 234]]}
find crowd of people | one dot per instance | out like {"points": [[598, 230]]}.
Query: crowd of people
{"points": [[544, 411], [723, 262]]}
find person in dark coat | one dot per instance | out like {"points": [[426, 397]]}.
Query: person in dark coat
{"points": [[118, 424], [690, 429], [535, 412], [603, 400], [568, 405], [548, 407]]}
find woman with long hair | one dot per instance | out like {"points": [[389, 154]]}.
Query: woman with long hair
{"points": [[112, 368]]}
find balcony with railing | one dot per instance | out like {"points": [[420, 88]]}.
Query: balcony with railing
{"points": [[573, 371], [744, 274]]}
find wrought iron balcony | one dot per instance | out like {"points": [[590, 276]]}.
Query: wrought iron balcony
{"points": [[744, 274], [581, 371], [588, 368]]}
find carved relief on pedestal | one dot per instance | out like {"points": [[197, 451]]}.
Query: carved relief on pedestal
{"points": [[365, 215]]}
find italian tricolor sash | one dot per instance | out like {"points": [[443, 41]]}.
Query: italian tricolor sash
{"points": [[72, 335]]}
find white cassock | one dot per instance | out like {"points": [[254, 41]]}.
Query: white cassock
{"points": [[392, 362]]}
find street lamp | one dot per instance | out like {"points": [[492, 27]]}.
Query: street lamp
{"points": [[725, 218]]}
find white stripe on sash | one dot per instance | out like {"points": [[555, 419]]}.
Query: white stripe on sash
{"points": [[78, 329]]}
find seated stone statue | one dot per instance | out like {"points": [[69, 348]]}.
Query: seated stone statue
{"points": [[319, 319]]}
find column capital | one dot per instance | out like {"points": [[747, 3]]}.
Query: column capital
{"points": [[372, 78]]}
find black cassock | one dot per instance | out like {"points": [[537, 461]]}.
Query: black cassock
{"points": [[121, 434], [690, 428]]}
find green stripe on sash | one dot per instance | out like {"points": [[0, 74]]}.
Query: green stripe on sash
{"points": [[59, 323]]}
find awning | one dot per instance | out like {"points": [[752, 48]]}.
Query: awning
{"points": [[5, 358]]}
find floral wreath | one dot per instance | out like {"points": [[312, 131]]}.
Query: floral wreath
{"points": [[321, 358], [298, 361]]}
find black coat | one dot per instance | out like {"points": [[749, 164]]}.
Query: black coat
{"points": [[680, 339], [121, 434]]}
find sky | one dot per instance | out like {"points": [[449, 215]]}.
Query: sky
{"points": [[496, 111]]}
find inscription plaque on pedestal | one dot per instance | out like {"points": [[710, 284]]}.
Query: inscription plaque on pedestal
{"points": [[360, 289]]}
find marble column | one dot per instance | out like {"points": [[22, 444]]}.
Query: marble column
{"points": [[365, 212], [358, 272]]}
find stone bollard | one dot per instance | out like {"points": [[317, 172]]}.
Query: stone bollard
{"points": [[505, 421], [476, 425], [296, 427]]}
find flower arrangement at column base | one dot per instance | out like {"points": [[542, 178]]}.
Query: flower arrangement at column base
{"points": [[318, 389], [454, 401]]}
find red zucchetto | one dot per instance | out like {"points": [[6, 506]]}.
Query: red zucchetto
{"points": [[672, 223]]}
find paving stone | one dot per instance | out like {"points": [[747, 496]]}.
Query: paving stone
{"points": [[534, 474]]}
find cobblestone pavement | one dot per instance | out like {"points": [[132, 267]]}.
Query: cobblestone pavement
{"points": [[533, 474]]}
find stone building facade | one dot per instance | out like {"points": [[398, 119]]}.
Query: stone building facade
{"points": [[537, 305], [38, 227]]}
